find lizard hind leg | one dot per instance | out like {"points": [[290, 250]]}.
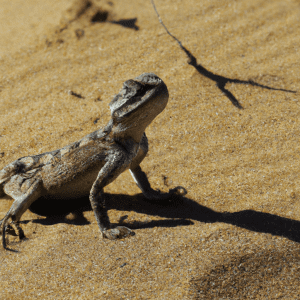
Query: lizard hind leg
{"points": [[6, 227], [24, 196], [10, 229]]}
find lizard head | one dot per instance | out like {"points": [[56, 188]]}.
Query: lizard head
{"points": [[140, 100]]}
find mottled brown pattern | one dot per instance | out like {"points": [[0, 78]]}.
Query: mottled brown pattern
{"points": [[85, 167]]}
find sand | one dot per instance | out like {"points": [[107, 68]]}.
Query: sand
{"points": [[229, 135]]}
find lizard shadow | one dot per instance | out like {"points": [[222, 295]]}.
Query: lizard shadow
{"points": [[181, 211], [57, 211]]}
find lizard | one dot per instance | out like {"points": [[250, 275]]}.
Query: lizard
{"points": [[85, 167]]}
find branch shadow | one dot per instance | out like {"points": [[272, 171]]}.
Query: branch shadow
{"points": [[221, 81], [102, 16], [127, 23], [181, 211]]}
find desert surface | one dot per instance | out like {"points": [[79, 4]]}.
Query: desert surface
{"points": [[229, 135]]}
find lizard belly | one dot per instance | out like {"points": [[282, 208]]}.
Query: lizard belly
{"points": [[70, 185]]}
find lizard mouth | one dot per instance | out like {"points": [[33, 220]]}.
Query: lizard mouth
{"points": [[146, 91]]}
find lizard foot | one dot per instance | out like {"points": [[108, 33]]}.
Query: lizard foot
{"points": [[118, 232], [179, 191], [10, 230], [15, 230]]}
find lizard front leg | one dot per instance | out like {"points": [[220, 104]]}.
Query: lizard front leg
{"points": [[142, 181], [112, 169], [152, 195]]}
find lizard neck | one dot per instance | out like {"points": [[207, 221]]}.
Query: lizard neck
{"points": [[123, 134], [127, 130], [129, 138]]}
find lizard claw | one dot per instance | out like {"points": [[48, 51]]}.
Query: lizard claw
{"points": [[118, 232]]}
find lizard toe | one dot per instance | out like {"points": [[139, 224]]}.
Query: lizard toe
{"points": [[179, 191], [118, 232], [10, 230]]}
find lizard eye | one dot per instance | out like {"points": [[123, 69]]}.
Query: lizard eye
{"points": [[133, 93], [132, 87], [130, 83]]}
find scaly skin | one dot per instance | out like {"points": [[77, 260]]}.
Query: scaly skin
{"points": [[85, 167]]}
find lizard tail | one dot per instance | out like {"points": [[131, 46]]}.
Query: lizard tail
{"points": [[3, 238], [1, 191]]}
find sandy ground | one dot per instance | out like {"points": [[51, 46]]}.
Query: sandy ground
{"points": [[229, 135]]}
